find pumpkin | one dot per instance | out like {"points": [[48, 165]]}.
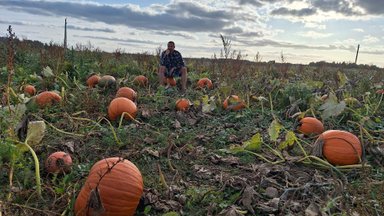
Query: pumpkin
{"points": [[58, 162], [339, 147], [93, 80], [183, 104], [47, 98], [170, 81], [204, 83], [120, 105], [30, 90], [234, 103], [140, 80], [114, 186], [107, 81], [127, 93], [310, 125]]}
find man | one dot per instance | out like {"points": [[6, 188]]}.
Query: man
{"points": [[171, 65]]}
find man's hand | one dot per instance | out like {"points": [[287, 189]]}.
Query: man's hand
{"points": [[167, 51]]}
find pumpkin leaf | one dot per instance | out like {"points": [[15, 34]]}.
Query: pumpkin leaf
{"points": [[47, 72], [208, 103], [343, 79], [254, 144], [36, 132], [274, 130], [290, 139], [331, 107]]}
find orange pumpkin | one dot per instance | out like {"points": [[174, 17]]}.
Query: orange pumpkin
{"points": [[234, 103], [47, 98], [204, 83], [120, 105], [310, 125], [170, 81], [119, 185], [30, 90], [127, 93], [58, 162], [107, 81], [93, 80], [183, 104], [340, 147], [140, 80]]}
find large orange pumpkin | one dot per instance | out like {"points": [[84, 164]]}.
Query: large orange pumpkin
{"points": [[183, 104], [340, 147], [120, 105], [127, 93], [107, 81], [119, 186], [170, 81], [93, 80], [140, 80], [30, 90], [58, 162], [204, 83], [310, 125], [47, 98], [234, 103]]}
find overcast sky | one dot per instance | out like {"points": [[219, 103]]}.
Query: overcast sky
{"points": [[303, 30]]}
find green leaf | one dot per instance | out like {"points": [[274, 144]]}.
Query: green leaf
{"points": [[274, 130], [47, 72], [208, 104], [290, 139], [331, 107], [254, 144], [342, 78]]}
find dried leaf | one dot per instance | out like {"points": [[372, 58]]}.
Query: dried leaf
{"points": [[47, 72], [36, 132], [248, 197], [177, 124]]}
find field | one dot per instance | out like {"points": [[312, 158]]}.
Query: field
{"points": [[205, 161]]}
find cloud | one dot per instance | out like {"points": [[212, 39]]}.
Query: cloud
{"points": [[107, 30], [251, 2], [358, 30], [371, 6], [344, 7], [184, 35], [195, 17], [314, 34], [369, 39], [115, 39], [294, 12]]}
